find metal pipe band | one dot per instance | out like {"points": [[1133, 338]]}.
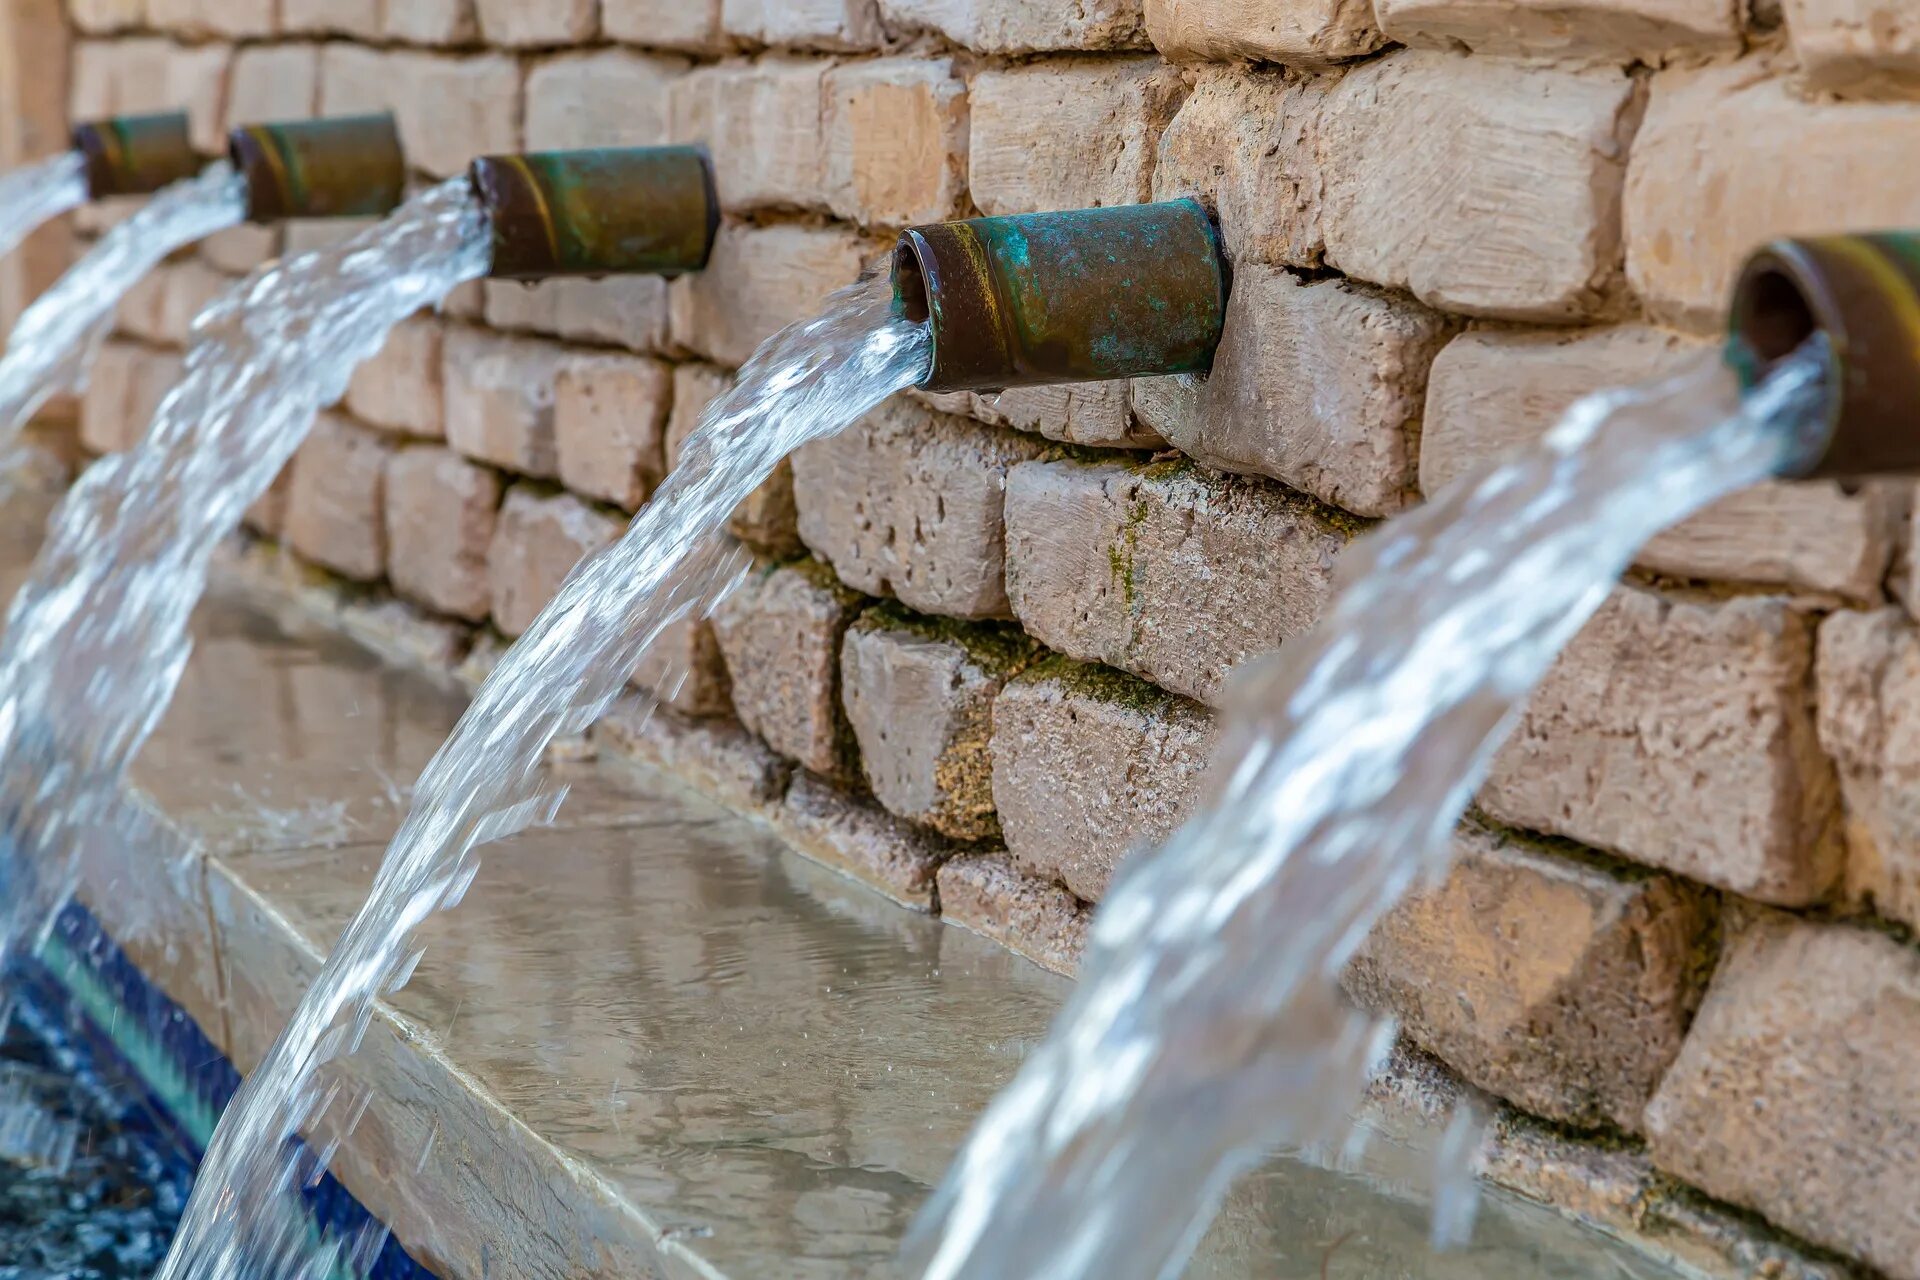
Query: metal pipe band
{"points": [[135, 155], [611, 211], [1065, 297], [352, 167]]}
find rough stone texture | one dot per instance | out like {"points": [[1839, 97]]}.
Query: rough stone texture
{"points": [[132, 77], [609, 426], [1022, 26], [1492, 392], [768, 519], [1068, 134], [689, 25], [273, 82], [400, 388], [535, 22], [1095, 414], [1293, 31], [895, 141], [1557, 984], [716, 756], [357, 18], [430, 21], [1040, 920], [780, 632], [1319, 385], [202, 18], [238, 250], [685, 669], [1680, 733], [1792, 1095], [909, 503], [499, 399], [127, 385], [609, 99], [1619, 30], [760, 279], [623, 311], [762, 122], [1090, 765], [1170, 572], [450, 109], [536, 542], [440, 521], [94, 17], [336, 508], [866, 843], [1860, 48], [807, 24], [267, 516], [1729, 157], [1482, 186]]}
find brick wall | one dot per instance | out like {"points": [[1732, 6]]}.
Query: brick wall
{"points": [[981, 658]]}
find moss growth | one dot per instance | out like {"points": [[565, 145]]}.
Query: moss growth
{"points": [[999, 648], [1091, 680]]}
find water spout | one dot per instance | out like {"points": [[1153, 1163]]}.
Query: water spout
{"points": [[626, 211], [136, 155], [349, 167]]}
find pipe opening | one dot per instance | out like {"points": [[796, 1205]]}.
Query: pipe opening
{"points": [[1775, 316], [910, 286]]}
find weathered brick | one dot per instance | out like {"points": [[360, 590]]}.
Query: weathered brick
{"points": [[536, 542], [909, 503], [191, 287], [623, 311], [1646, 30], [272, 83], [1038, 919], [1090, 765], [1068, 134], [1680, 733], [718, 757], [763, 125], [499, 399], [1022, 26], [612, 98], [401, 387], [1792, 1093], [250, 19], [1493, 392], [691, 26], [430, 21], [1484, 186], [804, 24], [768, 519], [1296, 31], [861, 840], [450, 109], [1558, 984], [239, 250], [685, 669], [609, 424], [140, 313], [127, 384], [526, 23], [105, 17], [336, 507], [1170, 572], [1860, 48], [267, 516], [357, 18], [132, 77], [440, 517], [895, 140], [1096, 414], [780, 632], [759, 280]]}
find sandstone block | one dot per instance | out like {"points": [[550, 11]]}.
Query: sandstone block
{"points": [[861, 840], [136, 76], [692, 26], [759, 280], [252, 19], [536, 542], [769, 519], [499, 399], [1545, 979], [450, 109], [1679, 733], [433, 22], [440, 516], [621, 311], [1859, 48], [609, 423], [1622, 30], [895, 141], [1790, 1095], [336, 507], [609, 99], [1169, 571], [273, 82], [140, 313], [525, 23], [401, 387], [1068, 134], [1729, 158], [910, 504], [685, 669], [1525, 222], [1021, 26], [358, 18], [1090, 765], [1095, 414], [239, 250], [762, 122], [717, 756], [1493, 392], [106, 17], [1034, 917], [267, 516], [1295, 31], [127, 384], [191, 287], [780, 632], [804, 24]]}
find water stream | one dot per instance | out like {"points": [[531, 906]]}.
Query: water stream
{"points": [[34, 193], [1208, 1028]]}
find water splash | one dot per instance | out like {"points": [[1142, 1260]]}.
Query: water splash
{"points": [[810, 380], [55, 342], [34, 193], [1208, 1026]]}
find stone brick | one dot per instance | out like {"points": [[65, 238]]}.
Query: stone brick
{"points": [[336, 507], [1623, 30], [609, 424], [1036, 918], [895, 141], [272, 83], [759, 280], [240, 250], [1792, 1094], [1301, 32], [1068, 134], [190, 287], [450, 109], [1680, 733], [106, 17], [718, 757], [1320, 385], [622, 311], [909, 503], [1090, 765], [536, 542], [132, 77], [401, 387], [141, 312], [1095, 414], [861, 840], [1860, 48], [804, 24], [762, 122], [1482, 186], [127, 384], [1729, 157], [1022, 26], [360, 19], [1546, 979], [920, 699], [267, 516], [248, 19], [440, 517], [608, 99], [1493, 392], [768, 520], [685, 669], [528, 23], [1171, 572], [499, 399], [691, 26], [430, 21], [780, 632]]}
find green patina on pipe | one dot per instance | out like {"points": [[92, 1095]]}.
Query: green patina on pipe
{"points": [[1078, 296], [351, 167], [135, 155], [612, 211]]}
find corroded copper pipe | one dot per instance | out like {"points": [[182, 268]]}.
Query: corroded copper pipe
{"points": [[1863, 293], [135, 155], [614, 211], [350, 167], [1065, 297]]}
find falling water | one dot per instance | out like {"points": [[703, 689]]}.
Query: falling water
{"points": [[34, 193], [57, 338], [808, 381], [1208, 1026]]}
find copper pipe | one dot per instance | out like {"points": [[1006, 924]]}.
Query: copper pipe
{"points": [[135, 155], [613, 211], [351, 167]]}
